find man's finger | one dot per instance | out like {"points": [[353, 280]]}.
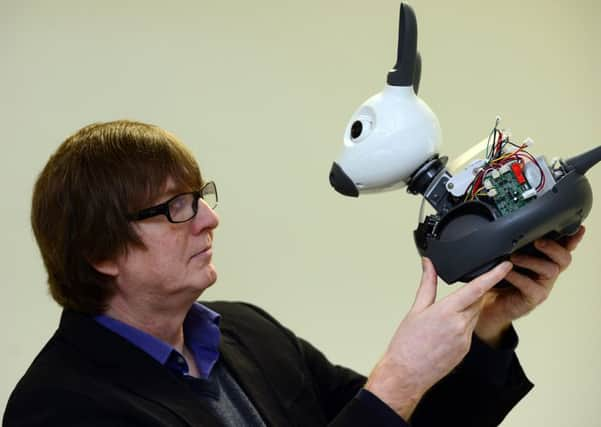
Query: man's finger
{"points": [[544, 268], [534, 293], [426, 293], [474, 320], [471, 292], [555, 252], [573, 241]]}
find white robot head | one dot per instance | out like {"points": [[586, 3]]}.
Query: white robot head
{"points": [[394, 132]]}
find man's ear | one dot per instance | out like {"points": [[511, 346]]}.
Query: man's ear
{"points": [[109, 267]]}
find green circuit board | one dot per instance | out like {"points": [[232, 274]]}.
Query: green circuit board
{"points": [[509, 193]]}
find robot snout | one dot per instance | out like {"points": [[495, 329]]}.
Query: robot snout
{"points": [[341, 182]]}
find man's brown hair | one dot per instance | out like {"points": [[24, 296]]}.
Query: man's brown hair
{"points": [[83, 195]]}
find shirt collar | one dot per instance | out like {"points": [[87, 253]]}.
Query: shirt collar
{"points": [[201, 335]]}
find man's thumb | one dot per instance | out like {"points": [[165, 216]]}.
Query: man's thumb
{"points": [[426, 293]]}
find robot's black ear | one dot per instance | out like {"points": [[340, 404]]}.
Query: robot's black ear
{"points": [[417, 73], [403, 72]]}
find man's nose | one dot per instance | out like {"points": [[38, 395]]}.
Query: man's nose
{"points": [[206, 217]]}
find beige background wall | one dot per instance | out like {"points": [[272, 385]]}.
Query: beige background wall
{"points": [[261, 91]]}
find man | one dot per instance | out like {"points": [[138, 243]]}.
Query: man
{"points": [[124, 222]]}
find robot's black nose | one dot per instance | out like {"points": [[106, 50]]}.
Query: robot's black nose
{"points": [[341, 182]]}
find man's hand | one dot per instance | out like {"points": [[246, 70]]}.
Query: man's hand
{"points": [[431, 340], [502, 306]]}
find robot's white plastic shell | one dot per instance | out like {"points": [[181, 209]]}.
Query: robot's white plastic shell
{"points": [[400, 133]]}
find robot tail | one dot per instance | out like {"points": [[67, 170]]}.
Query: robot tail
{"points": [[583, 162]]}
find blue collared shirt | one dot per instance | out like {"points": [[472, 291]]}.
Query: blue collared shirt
{"points": [[201, 336]]}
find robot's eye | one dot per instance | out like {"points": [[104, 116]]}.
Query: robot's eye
{"points": [[360, 129], [356, 129]]}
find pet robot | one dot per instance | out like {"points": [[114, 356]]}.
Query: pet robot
{"points": [[489, 210]]}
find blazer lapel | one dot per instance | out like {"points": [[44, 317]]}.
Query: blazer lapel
{"points": [[251, 379]]}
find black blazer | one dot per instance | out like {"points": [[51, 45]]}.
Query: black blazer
{"points": [[88, 375]]}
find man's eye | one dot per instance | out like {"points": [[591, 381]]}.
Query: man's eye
{"points": [[178, 204]]}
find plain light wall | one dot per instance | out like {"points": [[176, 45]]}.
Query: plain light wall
{"points": [[261, 91]]}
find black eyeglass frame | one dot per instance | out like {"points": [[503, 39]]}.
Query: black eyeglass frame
{"points": [[163, 208]]}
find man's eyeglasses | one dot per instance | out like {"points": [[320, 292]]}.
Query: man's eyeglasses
{"points": [[182, 207]]}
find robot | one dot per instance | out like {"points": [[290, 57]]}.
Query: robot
{"points": [[492, 208]]}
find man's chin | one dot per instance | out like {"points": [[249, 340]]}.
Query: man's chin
{"points": [[213, 275], [209, 276]]}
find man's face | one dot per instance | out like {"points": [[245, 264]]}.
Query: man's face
{"points": [[175, 266]]}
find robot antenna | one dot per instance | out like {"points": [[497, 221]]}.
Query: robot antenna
{"points": [[403, 72]]}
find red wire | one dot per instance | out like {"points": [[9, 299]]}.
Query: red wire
{"points": [[498, 144], [478, 180], [542, 174], [518, 155]]}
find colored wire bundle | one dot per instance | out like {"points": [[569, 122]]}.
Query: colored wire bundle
{"points": [[496, 158]]}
